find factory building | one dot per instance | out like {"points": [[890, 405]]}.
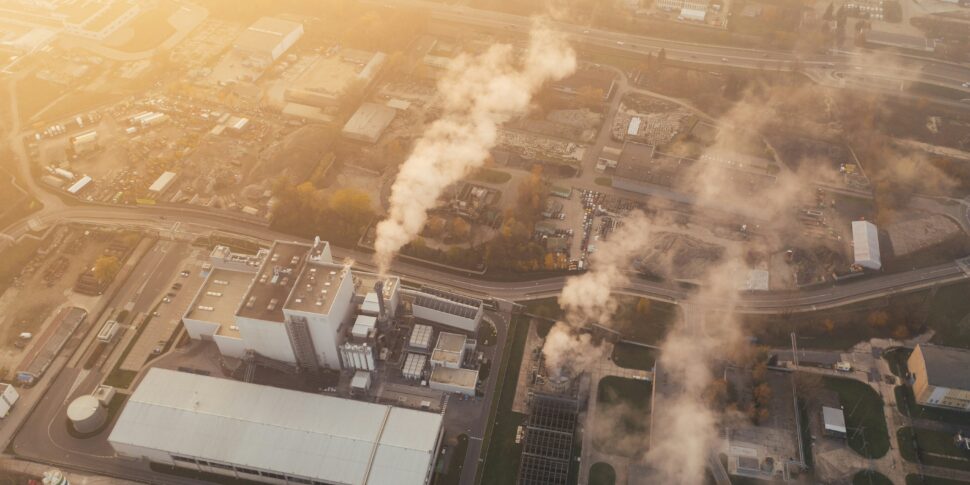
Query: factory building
{"points": [[450, 350], [271, 435], [268, 39], [447, 379], [447, 308], [291, 304], [940, 377], [368, 122], [865, 245]]}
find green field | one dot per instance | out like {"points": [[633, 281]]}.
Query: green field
{"points": [[915, 479], [870, 477], [502, 453], [906, 402], [623, 406], [935, 448], [632, 356], [864, 416], [602, 474]]}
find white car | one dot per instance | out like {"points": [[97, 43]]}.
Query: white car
{"points": [[620, 42], [966, 84]]}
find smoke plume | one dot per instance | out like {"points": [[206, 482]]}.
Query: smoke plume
{"points": [[478, 94], [588, 298]]}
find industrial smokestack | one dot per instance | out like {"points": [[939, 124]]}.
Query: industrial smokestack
{"points": [[382, 312]]}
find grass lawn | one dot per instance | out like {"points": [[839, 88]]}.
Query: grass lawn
{"points": [[623, 404], [870, 477], [491, 176], [897, 358], [906, 402], [604, 181], [637, 319], [632, 356], [915, 479], [949, 316], [933, 448], [864, 416], [602, 474], [453, 475], [502, 453]]}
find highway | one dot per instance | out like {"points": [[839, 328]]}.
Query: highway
{"points": [[186, 223], [837, 68]]}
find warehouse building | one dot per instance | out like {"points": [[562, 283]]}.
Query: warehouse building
{"points": [[448, 379], [274, 436], [833, 420], [369, 122], [865, 245], [268, 39], [162, 183], [940, 376], [447, 308], [450, 350]]}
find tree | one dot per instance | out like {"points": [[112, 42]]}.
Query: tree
{"points": [[877, 319], [661, 57], [106, 268], [829, 12], [352, 205], [435, 226], [643, 306], [460, 229]]}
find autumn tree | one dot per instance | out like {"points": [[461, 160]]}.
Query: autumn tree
{"points": [[434, 227], [878, 319], [106, 268], [460, 229]]}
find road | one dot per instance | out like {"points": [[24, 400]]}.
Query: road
{"points": [[837, 68], [187, 222]]}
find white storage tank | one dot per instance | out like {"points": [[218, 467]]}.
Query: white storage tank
{"points": [[87, 415]]}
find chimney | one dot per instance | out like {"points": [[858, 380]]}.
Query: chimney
{"points": [[379, 289]]}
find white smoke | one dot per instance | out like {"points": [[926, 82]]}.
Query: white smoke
{"points": [[478, 94], [588, 298]]}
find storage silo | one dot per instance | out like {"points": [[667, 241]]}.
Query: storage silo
{"points": [[87, 415]]}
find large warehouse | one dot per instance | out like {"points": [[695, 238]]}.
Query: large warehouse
{"points": [[268, 38], [272, 435], [865, 245]]}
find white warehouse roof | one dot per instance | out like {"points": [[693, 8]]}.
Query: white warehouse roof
{"points": [[865, 244], [833, 419], [308, 435]]}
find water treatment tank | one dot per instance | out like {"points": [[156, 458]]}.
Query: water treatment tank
{"points": [[87, 415]]}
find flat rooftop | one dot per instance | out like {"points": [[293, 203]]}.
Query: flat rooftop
{"points": [[318, 437], [316, 287], [368, 280], [450, 342], [466, 378], [274, 282], [220, 297], [369, 121]]}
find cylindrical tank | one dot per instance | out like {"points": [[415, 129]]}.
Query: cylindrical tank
{"points": [[86, 414]]}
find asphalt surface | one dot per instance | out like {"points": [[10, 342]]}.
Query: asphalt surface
{"points": [[188, 223], [837, 68]]}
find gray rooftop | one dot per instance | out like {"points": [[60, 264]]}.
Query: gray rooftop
{"points": [[946, 366], [220, 297], [369, 121], [270, 289], [316, 287]]}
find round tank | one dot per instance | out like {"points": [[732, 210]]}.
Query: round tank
{"points": [[86, 414]]}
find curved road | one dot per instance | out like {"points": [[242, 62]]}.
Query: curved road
{"points": [[186, 221]]}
